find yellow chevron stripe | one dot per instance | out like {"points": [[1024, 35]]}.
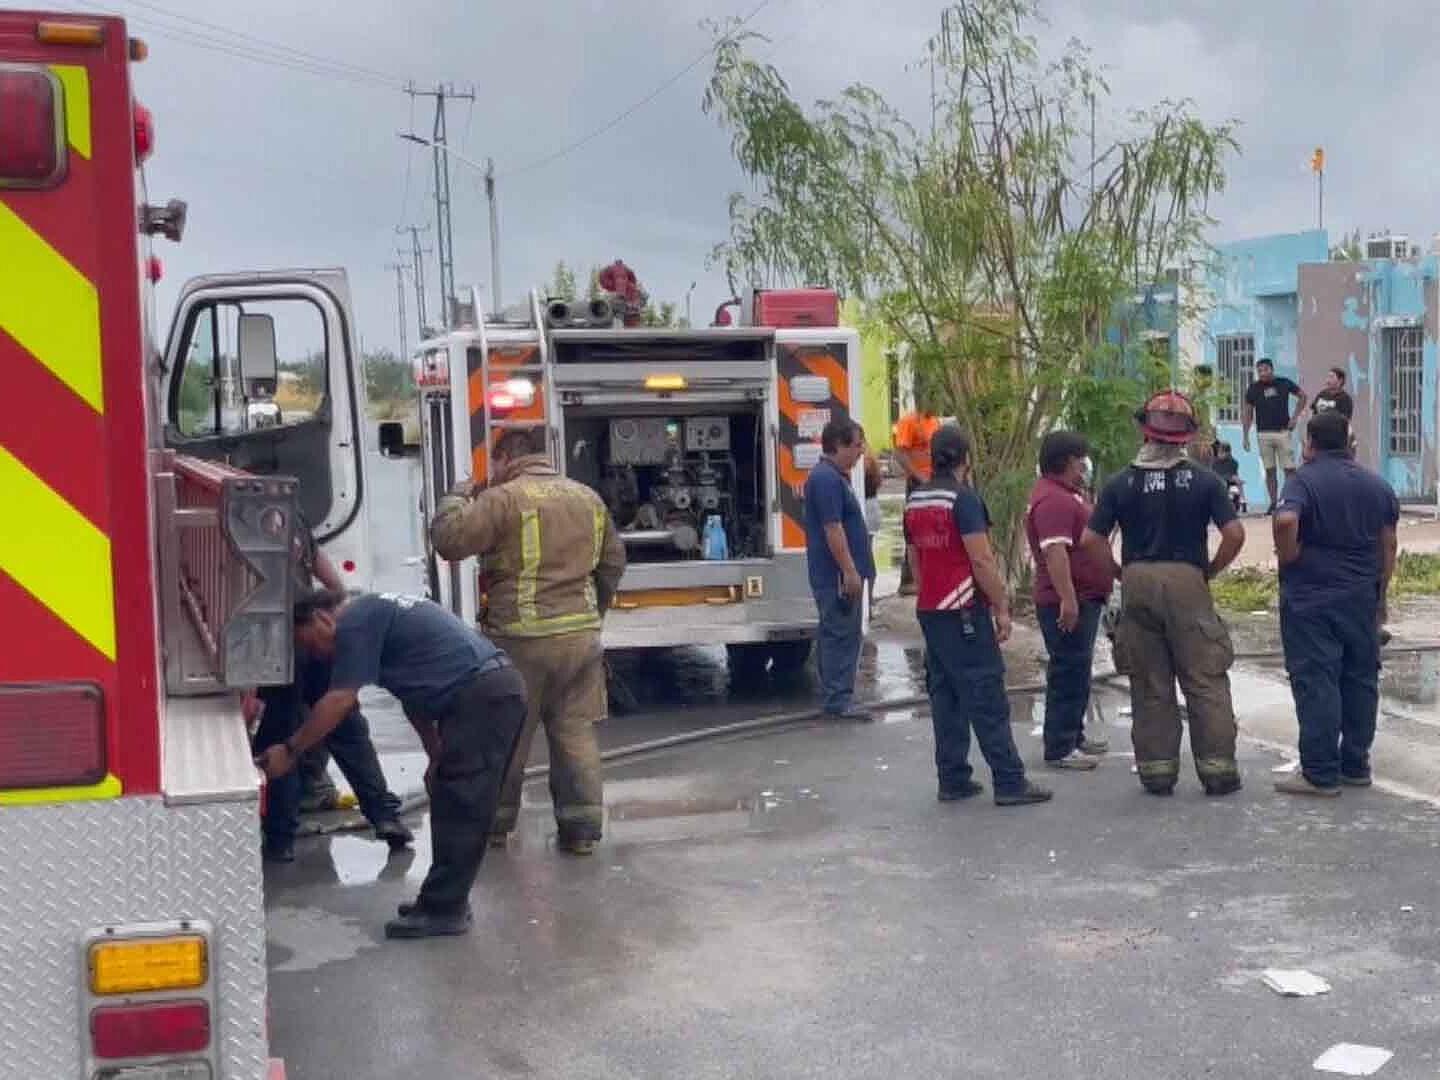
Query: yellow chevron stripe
{"points": [[50, 308], [56, 555], [76, 81]]}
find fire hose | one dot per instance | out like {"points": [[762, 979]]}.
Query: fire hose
{"points": [[764, 725]]}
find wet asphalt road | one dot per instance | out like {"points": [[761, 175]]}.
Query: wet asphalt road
{"points": [[798, 905]]}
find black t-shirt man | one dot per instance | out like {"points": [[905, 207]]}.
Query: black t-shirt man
{"points": [[1164, 514], [1271, 401]]}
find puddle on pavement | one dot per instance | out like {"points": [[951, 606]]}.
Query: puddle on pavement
{"points": [[1407, 678]]}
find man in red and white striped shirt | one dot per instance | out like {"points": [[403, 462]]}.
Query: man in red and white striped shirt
{"points": [[965, 616]]}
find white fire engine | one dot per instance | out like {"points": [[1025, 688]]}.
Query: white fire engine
{"points": [[141, 586], [698, 440]]}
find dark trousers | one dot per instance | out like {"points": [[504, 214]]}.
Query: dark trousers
{"points": [[1332, 654], [1067, 677], [349, 744], [967, 690], [478, 731], [838, 652]]}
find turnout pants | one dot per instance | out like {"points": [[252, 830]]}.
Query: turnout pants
{"points": [[565, 679], [1169, 631], [478, 733], [967, 691], [1332, 655]]}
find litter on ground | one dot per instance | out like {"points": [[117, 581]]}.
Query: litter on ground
{"points": [[1351, 1059], [1293, 982]]}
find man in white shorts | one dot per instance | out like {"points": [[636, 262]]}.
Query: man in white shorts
{"points": [[1267, 408]]}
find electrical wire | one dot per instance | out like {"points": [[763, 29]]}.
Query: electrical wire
{"points": [[621, 117]]}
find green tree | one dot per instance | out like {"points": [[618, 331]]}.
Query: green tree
{"points": [[981, 241], [388, 378]]}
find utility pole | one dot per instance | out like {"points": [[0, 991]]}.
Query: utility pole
{"points": [[417, 263], [444, 238], [497, 298], [399, 269]]}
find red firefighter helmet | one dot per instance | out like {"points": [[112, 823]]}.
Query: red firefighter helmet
{"points": [[1169, 417]]}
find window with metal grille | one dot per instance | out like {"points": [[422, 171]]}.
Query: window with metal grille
{"points": [[1403, 352], [1235, 371]]}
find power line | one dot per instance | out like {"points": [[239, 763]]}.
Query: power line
{"points": [[620, 118], [276, 46], [269, 55]]}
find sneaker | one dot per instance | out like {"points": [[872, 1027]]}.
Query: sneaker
{"points": [[849, 716], [420, 923], [278, 851], [395, 833], [1094, 745], [1030, 793], [1300, 784], [1363, 780], [967, 790], [1076, 759]]}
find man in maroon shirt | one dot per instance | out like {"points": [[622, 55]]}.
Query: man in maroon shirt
{"points": [[1070, 594]]}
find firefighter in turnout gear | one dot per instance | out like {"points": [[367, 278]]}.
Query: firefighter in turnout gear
{"points": [[1164, 505], [553, 560]]}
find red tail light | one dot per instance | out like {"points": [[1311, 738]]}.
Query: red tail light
{"points": [[166, 1027], [51, 735], [144, 134], [32, 145]]}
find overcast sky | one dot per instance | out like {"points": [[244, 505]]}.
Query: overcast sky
{"points": [[283, 167]]}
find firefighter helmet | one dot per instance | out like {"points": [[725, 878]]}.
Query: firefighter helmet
{"points": [[1168, 417]]}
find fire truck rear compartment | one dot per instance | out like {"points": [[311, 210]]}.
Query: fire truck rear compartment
{"points": [[667, 468]]}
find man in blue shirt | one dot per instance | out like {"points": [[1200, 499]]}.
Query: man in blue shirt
{"points": [[837, 547], [1335, 538], [460, 694]]}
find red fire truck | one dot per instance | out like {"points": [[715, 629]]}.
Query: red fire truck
{"points": [[140, 589]]}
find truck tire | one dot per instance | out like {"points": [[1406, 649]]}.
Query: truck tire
{"points": [[747, 661], [788, 657]]}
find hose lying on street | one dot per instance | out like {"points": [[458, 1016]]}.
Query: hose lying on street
{"points": [[419, 800]]}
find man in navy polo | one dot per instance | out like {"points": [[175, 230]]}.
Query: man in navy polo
{"points": [[1335, 538], [837, 548]]}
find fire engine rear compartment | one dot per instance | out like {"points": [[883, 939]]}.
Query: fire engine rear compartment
{"points": [[667, 469]]}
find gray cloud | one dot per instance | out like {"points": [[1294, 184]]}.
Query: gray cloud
{"points": [[283, 168]]}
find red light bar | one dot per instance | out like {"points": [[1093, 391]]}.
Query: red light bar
{"points": [[144, 134], [51, 735], [32, 135], [166, 1027]]}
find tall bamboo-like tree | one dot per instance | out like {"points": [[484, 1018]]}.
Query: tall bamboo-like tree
{"points": [[990, 243]]}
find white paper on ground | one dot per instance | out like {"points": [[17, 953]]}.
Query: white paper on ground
{"points": [[1350, 1059], [1293, 982]]}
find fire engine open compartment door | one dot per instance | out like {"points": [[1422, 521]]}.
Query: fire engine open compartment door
{"points": [[262, 373]]}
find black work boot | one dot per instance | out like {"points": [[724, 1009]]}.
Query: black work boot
{"points": [[278, 851], [1158, 787], [1030, 794], [395, 833], [411, 908], [1223, 785], [420, 923], [968, 790], [577, 843]]}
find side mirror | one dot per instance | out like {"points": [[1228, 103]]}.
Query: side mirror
{"points": [[257, 349], [392, 439]]}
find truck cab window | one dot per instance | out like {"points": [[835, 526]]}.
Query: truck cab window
{"points": [[251, 365]]}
